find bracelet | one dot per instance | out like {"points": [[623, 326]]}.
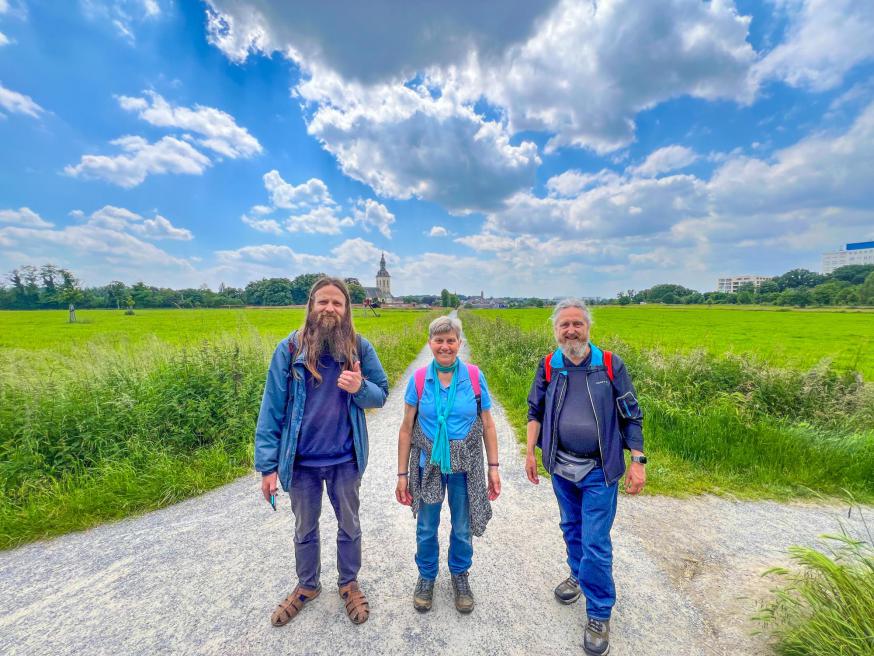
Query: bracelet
{"points": [[494, 464], [403, 474]]}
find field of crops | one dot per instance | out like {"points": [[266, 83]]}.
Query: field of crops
{"points": [[795, 338], [724, 420], [122, 414]]}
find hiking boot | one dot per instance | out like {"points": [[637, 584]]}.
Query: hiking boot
{"points": [[596, 640], [463, 595], [568, 591], [423, 595]]}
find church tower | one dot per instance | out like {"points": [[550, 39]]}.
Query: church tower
{"points": [[383, 280]]}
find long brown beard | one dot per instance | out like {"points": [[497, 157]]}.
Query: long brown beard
{"points": [[328, 333]]}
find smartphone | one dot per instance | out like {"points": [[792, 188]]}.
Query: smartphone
{"points": [[273, 501]]}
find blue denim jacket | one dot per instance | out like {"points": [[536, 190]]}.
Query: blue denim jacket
{"points": [[617, 412], [282, 409]]}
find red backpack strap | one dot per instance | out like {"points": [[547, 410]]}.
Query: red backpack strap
{"points": [[419, 377], [547, 366], [608, 364]]}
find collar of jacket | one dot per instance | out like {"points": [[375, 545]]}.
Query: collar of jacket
{"points": [[556, 360]]}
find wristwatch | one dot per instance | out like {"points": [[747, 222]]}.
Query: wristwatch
{"points": [[639, 459]]}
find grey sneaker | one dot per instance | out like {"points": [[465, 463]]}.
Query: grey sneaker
{"points": [[596, 640], [423, 595], [463, 595], [568, 591]]}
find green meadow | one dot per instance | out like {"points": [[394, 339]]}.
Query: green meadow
{"points": [[751, 417], [794, 338], [120, 414]]}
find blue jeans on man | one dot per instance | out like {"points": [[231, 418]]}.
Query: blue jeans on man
{"points": [[342, 482], [587, 511], [460, 537]]}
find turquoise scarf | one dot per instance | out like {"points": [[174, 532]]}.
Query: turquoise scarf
{"points": [[440, 448]]}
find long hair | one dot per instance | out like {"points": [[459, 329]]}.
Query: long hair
{"points": [[345, 348]]}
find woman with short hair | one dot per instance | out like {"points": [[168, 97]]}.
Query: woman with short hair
{"points": [[447, 420]]}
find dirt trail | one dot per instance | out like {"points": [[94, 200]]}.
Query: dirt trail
{"points": [[203, 576]]}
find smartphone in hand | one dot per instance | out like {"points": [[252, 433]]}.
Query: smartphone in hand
{"points": [[273, 501]]}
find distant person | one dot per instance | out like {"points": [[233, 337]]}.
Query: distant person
{"points": [[440, 452], [582, 413], [312, 433]]}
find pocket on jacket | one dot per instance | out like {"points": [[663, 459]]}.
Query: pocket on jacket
{"points": [[628, 407]]}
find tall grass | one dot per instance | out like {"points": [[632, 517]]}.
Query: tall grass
{"points": [[108, 431], [722, 424], [826, 605]]}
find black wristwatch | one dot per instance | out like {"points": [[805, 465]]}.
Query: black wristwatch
{"points": [[639, 459]]}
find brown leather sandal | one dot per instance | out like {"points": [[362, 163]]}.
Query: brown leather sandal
{"points": [[357, 607], [289, 607]]}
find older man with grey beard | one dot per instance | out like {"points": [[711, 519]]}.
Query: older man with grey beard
{"points": [[582, 413], [312, 435]]}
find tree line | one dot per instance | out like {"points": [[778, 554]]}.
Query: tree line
{"points": [[53, 287], [848, 285]]}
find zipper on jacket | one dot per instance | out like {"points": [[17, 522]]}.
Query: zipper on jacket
{"points": [[555, 415], [598, 426]]}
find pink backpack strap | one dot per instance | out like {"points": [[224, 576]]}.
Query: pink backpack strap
{"points": [[608, 364], [473, 372], [419, 377]]}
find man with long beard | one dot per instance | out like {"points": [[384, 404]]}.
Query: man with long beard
{"points": [[312, 434], [582, 412]]}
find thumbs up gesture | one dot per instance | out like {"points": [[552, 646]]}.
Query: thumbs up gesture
{"points": [[351, 379]]}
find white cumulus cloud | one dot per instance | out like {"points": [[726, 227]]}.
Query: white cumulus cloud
{"points": [[18, 103], [23, 216], [370, 214], [219, 131], [139, 160], [663, 160]]}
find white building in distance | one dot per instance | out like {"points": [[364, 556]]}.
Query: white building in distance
{"points": [[731, 284], [861, 252]]}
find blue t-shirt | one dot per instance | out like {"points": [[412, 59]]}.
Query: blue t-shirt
{"points": [[463, 411], [325, 430]]}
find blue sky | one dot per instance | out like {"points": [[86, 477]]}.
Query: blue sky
{"points": [[518, 148]]}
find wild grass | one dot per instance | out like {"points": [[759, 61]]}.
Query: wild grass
{"points": [[826, 605], [715, 423], [102, 431]]}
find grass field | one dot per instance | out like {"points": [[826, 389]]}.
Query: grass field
{"points": [[798, 339], [126, 414], [714, 422]]}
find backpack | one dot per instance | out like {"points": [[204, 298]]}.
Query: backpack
{"points": [[472, 371], [608, 364]]}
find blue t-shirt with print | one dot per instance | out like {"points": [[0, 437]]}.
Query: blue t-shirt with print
{"points": [[463, 412]]}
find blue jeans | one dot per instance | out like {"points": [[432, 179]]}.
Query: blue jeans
{"points": [[342, 482], [460, 537], [587, 510]]}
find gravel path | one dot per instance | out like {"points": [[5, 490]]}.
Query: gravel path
{"points": [[203, 576]]}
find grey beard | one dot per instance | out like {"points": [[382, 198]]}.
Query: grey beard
{"points": [[575, 349]]}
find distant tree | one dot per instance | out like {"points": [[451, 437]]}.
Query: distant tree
{"points": [[799, 278], [129, 303], [269, 291], [356, 292], [768, 287], [855, 274], [117, 293], [301, 285], [866, 291], [799, 296], [444, 297], [746, 297], [70, 293], [624, 299]]}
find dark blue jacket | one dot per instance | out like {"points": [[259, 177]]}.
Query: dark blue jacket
{"points": [[617, 413], [282, 408]]}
